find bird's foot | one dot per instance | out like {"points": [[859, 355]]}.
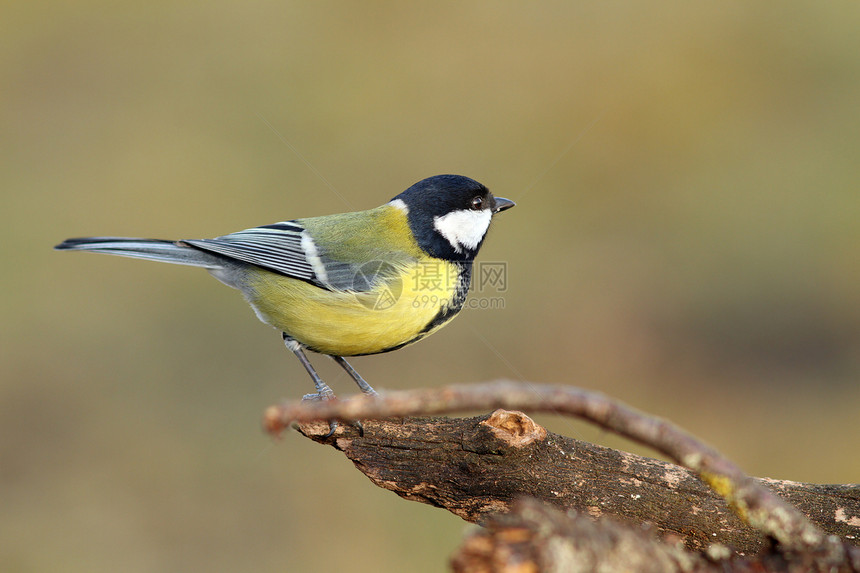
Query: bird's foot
{"points": [[321, 397]]}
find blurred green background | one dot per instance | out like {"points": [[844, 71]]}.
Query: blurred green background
{"points": [[686, 240]]}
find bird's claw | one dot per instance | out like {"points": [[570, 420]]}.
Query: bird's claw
{"points": [[321, 397], [318, 397]]}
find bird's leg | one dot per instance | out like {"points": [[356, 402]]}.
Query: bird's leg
{"points": [[324, 392], [362, 383]]}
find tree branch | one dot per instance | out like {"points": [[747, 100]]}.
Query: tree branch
{"points": [[423, 442]]}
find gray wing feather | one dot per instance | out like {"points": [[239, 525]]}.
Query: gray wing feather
{"points": [[278, 248]]}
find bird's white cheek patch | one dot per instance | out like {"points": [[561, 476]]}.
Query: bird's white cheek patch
{"points": [[464, 228]]}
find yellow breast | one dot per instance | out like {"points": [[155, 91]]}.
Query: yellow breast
{"points": [[422, 297]]}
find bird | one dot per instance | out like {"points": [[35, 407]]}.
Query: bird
{"points": [[348, 284]]}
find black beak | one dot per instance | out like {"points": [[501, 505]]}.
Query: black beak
{"points": [[502, 204]]}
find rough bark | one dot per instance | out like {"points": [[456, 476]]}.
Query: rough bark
{"points": [[535, 537], [477, 467]]}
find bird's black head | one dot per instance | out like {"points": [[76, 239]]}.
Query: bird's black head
{"points": [[450, 215]]}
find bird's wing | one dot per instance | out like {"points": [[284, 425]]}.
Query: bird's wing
{"points": [[287, 248], [277, 247]]}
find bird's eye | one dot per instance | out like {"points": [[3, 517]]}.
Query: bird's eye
{"points": [[477, 203]]}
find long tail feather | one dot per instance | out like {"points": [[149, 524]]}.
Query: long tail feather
{"points": [[149, 249]]}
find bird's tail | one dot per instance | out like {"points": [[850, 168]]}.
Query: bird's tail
{"points": [[174, 252]]}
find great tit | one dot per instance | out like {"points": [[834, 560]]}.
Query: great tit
{"points": [[348, 284]]}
